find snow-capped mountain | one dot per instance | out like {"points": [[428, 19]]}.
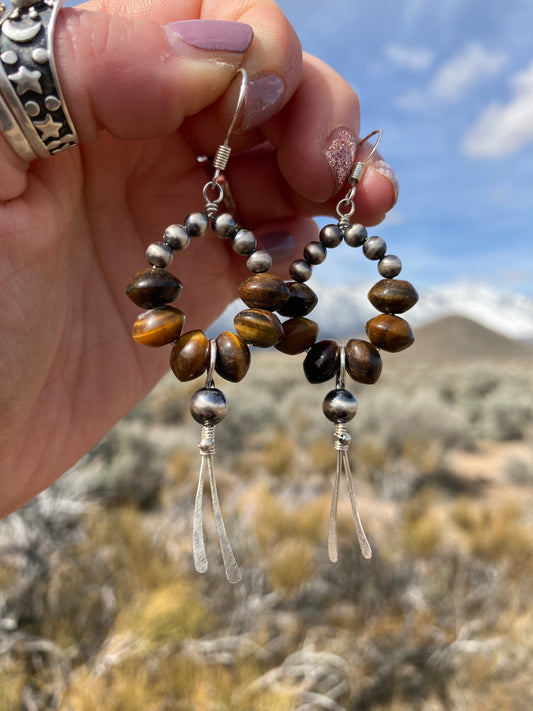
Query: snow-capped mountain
{"points": [[343, 310]]}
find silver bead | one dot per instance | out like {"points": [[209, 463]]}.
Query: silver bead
{"points": [[355, 235], [197, 224], [374, 248], [224, 225], [208, 406], [300, 270], [390, 266], [259, 261], [339, 406], [177, 237], [244, 242], [158, 254], [315, 253], [331, 235]]}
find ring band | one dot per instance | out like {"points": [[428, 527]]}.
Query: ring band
{"points": [[28, 81]]}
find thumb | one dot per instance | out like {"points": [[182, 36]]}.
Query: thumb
{"points": [[138, 79]]}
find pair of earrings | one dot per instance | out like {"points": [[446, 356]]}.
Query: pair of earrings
{"points": [[264, 294]]}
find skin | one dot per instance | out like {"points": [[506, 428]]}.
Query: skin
{"points": [[74, 228]]}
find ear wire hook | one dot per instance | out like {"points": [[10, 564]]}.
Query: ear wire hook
{"points": [[359, 167], [223, 152]]}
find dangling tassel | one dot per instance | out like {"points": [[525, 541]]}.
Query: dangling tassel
{"points": [[208, 407], [340, 406], [342, 442]]}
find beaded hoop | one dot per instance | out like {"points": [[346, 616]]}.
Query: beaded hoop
{"points": [[359, 358]]}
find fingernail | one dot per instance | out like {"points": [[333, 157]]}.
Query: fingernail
{"points": [[208, 35], [340, 154], [383, 168], [281, 245], [263, 98]]}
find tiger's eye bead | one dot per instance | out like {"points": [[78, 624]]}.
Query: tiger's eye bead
{"points": [[259, 261], [244, 242], [224, 225], [355, 235], [339, 406], [390, 333], [389, 266], [264, 291], [177, 237], [302, 300], [153, 287], [374, 248], [299, 334], [208, 406], [159, 254], [300, 270], [197, 224], [259, 327], [315, 253], [158, 327], [190, 356], [363, 361], [233, 357], [393, 296], [331, 236], [322, 362]]}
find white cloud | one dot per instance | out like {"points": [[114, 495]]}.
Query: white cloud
{"points": [[503, 129], [464, 71], [414, 58], [456, 77]]}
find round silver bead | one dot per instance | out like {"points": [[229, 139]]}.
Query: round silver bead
{"points": [[374, 248], [159, 254], [208, 406], [224, 225], [177, 237], [355, 235], [339, 406], [315, 253], [300, 270], [259, 261], [197, 224], [389, 266], [244, 242], [331, 235]]}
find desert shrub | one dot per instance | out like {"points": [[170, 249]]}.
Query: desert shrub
{"points": [[290, 564]]}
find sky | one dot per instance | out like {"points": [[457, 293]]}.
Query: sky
{"points": [[451, 85]]}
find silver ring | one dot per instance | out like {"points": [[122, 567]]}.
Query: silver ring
{"points": [[29, 85]]}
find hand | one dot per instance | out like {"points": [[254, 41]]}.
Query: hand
{"points": [[74, 227]]}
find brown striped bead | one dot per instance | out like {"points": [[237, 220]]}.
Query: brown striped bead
{"points": [[158, 327], [322, 362], [390, 333], [259, 327], [153, 287], [264, 291], [233, 357], [299, 334], [302, 300], [190, 356], [363, 361], [393, 296]]}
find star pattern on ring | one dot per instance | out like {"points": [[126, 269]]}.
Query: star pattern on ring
{"points": [[26, 80], [48, 128]]}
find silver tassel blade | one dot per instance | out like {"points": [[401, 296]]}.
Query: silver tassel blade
{"points": [[342, 442], [233, 574]]}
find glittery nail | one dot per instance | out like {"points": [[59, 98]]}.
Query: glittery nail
{"points": [[340, 154]]}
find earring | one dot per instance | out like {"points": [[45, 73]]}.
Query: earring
{"points": [[193, 354], [359, 358]]}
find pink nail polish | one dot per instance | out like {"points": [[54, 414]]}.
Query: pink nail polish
{"points": [[263, 99], [383, 168], [211, 35], [340, 154]]}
